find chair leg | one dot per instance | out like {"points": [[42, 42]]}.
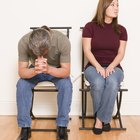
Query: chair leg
{"points": [[46, 130], [119, 100], [83, 108], [31, 110], [38, 118], [33, 117], [118, 115]]}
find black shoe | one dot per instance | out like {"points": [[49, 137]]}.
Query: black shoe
{"points": [[25, 133], [106, 127], [62, 133], [95, 130]]}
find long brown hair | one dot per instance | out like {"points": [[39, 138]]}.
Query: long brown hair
{"points": [[100, 15]]}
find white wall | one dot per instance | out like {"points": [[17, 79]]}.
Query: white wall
{"points": [[16, 18]]}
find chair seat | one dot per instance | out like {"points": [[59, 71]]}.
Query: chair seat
{"points": [[88, 84], [45, 85]]}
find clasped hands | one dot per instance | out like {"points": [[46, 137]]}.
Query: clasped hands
{"points": [[41, 65]]}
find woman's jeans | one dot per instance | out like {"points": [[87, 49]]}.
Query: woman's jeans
{"points": [[24, 98], [104, 91]]}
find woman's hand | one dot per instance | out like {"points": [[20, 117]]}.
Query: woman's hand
{"points": [[101, 70], [109, 70]]}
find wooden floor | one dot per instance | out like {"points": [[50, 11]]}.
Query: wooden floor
{"points": [[10, 131]]}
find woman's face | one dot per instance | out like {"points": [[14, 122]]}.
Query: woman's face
{"points": [[112, 10]]}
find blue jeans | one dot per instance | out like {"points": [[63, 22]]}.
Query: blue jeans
{"points": [[104, 91], [24, 98]]}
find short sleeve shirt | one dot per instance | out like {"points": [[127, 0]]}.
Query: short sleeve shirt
{"points": [[104, 41], [58, 53]]}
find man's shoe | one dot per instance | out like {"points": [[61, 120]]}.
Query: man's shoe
{"points": [[25, 133], [106, 127], [62, 133]]}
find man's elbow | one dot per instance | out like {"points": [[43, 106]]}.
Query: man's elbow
{"points": [[22, 75], [66, 74]]}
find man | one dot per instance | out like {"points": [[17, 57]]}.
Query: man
{"points": [[48, 52]]}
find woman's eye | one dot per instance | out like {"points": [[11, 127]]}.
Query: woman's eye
{"points": [[112, 4]]}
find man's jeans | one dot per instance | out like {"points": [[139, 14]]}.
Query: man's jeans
{"points": [[24, 98], [104, 91]]}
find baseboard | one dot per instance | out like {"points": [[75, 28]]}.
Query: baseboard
{"points": [[9, 108]]}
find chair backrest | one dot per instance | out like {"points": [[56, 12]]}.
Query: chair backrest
{"points": [[84, 63], [65, 30]]}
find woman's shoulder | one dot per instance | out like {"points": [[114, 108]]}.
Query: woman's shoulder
{"points": [[90, 24], [89, 28], [122, 28], [123, 34]]}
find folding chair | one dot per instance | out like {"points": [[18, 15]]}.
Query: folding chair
{"points": [[85, 89], [46, 86]]}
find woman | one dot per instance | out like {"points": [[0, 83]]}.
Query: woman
{"points": [[104, 43]]}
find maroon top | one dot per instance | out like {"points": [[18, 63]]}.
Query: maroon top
{"points": [[105, 41]]}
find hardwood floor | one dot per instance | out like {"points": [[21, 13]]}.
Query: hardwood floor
{"points": [[10, 131]]}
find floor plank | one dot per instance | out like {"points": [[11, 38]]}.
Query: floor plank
{"points": [[10, 131]]}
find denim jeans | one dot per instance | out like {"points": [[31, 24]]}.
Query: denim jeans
{"points": [[104, 91], [24, 98]]}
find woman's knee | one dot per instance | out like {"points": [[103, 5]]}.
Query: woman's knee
{"points": [[113, 84], [94, 78], [98, 83]]}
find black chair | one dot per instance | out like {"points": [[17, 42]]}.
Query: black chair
{"points": [[46, 86], [85, 89]]}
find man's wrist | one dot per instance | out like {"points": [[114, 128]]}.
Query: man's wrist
{"points": [[49, 70], [33, 71]]}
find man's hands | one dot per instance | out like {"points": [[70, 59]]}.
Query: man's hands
{"points": [[41, 65], [105, 72]]}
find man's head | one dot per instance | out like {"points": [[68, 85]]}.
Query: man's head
{"points": [[40, 41]]}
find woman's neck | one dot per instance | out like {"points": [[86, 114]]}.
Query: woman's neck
{"points": [[108, 20]]}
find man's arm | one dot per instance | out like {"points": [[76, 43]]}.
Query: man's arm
{"points": [[62, 72], [24, 71], [41, 66]]}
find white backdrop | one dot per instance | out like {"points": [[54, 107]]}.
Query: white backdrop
{"points": [[16, 17]]}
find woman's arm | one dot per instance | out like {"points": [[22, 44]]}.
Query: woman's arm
{"points": [[90, 56], [118, 58]]}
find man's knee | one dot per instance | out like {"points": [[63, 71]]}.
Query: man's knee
{"points": [[23, 84], [65, 83]]}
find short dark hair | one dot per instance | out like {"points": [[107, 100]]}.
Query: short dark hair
{"points": [[39, 41]]}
